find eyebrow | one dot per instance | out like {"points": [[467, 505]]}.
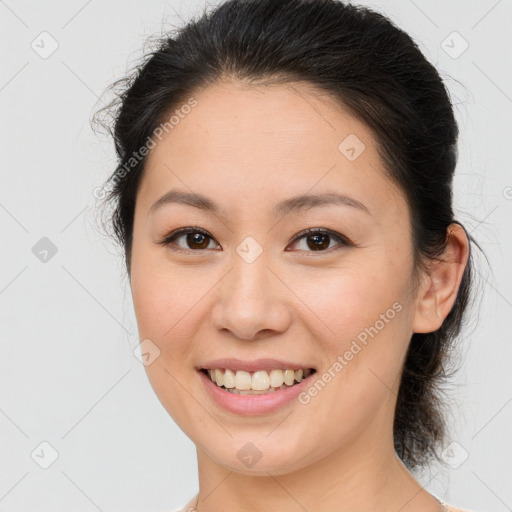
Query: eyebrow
{"points": [[296, 204]]}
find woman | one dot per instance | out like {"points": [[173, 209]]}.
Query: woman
{"points": [[283, 198]]}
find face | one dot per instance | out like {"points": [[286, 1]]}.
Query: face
{"points": [[246, 284]]}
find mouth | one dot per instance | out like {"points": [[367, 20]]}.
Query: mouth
{"points": [[240, 382]]}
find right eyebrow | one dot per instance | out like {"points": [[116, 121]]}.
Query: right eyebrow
{"points": [[293, 204]]}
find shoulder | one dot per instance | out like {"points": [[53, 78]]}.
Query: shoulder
{"points": [[448, 508], [189, 507], [454, 509]]}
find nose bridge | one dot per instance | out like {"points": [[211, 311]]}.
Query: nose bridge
{"points": [[251, 298], [250, 273]]}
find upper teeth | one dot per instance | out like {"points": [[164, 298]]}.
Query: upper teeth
{"points": [[258, 381]]}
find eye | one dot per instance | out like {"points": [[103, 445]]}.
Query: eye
{"points": [[195, 238], [318, 240]]}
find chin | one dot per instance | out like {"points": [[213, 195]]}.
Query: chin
{"points": [[259, 456]]}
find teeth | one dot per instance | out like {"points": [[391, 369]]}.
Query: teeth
{"points": [[243, 382], [260, 381], [229, 379], [219, 378], [289, 377], [276, 378]]}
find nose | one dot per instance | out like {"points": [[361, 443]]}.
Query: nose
{"points": [[252, 302]]}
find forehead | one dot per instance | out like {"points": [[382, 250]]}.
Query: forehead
{"points": [[248, 143]]}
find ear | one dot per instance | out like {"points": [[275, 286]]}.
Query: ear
{"points": [[438, 290]]}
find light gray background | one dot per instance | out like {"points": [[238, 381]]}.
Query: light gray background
{"points": [[68, 375]]}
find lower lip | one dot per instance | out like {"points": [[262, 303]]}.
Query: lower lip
{"points": [[250, 405]]}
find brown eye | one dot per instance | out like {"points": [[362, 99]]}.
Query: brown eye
{"points": [[319, 240], [195, 239], [198, 240]]}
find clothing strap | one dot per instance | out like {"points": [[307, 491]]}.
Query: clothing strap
{"points": [[435, 497], [441, 503]]}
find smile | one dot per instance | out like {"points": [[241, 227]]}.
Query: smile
{"points": [[256, 383]]}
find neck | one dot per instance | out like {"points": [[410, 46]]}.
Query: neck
{"points": [[360, 476]]}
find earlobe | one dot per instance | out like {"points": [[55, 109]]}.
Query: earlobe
{"points": [[439, 289]]}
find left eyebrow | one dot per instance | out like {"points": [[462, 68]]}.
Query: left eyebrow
{"points": [[306, 201], [293, 204], [188, 198]]}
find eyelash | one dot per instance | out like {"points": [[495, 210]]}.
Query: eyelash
{"points": [[342, 240]]}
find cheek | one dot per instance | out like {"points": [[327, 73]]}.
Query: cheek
{"points": [[349, 300], [153, 293], [364, 353], [163, 299], [167, 298], [159, 304], [364, 317]]}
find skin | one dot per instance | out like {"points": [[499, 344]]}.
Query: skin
{"points": [[247, 148]]}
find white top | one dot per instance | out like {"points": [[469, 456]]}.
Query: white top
{"points": [[449, 508]]}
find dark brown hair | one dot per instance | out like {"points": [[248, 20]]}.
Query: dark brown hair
{"points": [[374, 69]]}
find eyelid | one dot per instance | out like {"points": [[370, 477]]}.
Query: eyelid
{"points": [[183, 231], [342, 240]]}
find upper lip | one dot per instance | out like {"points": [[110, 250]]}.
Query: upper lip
{"points": [[254, 365]]}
